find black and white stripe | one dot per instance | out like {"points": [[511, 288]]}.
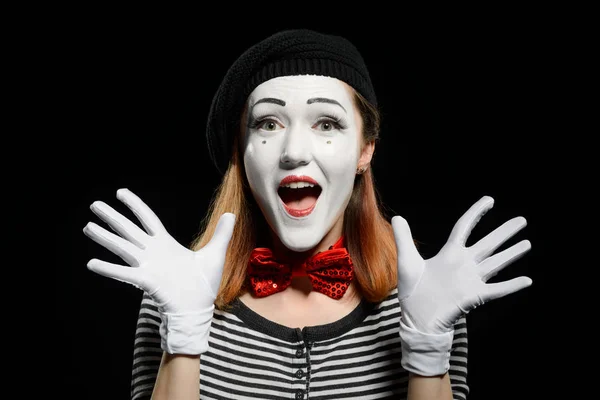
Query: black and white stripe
{"points": [[250, 357]]}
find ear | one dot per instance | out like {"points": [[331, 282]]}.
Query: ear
{"points": [[365, 156]]}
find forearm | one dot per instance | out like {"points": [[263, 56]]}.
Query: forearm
{"points": [[429, 388], [178, 378]]}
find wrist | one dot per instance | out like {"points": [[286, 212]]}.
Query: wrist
{"points": [[425, 354], [185, 334]]}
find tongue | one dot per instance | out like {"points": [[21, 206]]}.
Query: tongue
{"points": [[303, 203], [299, 199]]}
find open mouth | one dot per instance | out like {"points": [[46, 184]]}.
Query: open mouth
{"points": [[299, 195]]}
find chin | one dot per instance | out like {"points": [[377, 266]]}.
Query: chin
{"points": [[301, 241]]}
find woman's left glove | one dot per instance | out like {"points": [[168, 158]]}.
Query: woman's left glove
{"points": [[434, 293]]}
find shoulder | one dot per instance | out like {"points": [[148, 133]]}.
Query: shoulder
{"points": [[384, 311], [389, 302]]}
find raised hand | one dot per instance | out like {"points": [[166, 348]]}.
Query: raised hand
{"points": [[182, 282], [434, 293]]}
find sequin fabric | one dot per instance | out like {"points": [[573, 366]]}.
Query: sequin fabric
{"points": [[330, 271]]}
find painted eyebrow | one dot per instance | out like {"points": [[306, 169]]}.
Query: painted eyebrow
{"points": [[270, 100], [325, 100]]}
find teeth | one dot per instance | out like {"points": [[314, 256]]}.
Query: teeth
{"points": [[298, 185]]}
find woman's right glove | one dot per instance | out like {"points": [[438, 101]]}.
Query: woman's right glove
{"points": [[182, 282]]}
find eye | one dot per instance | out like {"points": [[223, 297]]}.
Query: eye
{"points": [[327, 125], [265, 124], [268, 125]]}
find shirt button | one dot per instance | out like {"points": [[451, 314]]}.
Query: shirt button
{"points": [[300, 394], [299, 353], [299, 374]]}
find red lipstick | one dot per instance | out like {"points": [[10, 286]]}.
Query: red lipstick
{"points": [[287, 198], [297, 178], [299, 213]]}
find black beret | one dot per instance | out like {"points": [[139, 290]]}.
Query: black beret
{"points": [[289, 52]]}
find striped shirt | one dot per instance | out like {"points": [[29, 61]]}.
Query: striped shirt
{"points": [[250, 357]]}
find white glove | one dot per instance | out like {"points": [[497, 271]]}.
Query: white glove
{"points": [[182, 282], [435, 293]]}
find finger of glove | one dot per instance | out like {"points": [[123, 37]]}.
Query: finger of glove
{"points": [[223, 233], [494, 264], [130, 253], [217, 249], [122, 273], [119, 223], [144, 214], [497, 290], [463, 227], [486, 246], [410, 262]]}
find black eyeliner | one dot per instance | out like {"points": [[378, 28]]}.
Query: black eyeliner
{"points": [[333, 118]]}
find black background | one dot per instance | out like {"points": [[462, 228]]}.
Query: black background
{"points": [[468, 110]]}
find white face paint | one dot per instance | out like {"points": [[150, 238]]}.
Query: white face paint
{"points": [[303, 130]]}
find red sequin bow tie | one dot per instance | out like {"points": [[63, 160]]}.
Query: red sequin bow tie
{"points": [[330, 271]]}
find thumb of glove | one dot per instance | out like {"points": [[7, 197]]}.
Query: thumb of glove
{"points": [[410, 263]]}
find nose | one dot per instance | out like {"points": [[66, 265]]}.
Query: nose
{"points": [[297, 148]]}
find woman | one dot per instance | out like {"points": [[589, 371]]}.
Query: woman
{"points": [[299, 286]]}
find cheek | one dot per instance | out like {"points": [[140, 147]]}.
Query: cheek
{"points": [[260, 157], [338, 154]]}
